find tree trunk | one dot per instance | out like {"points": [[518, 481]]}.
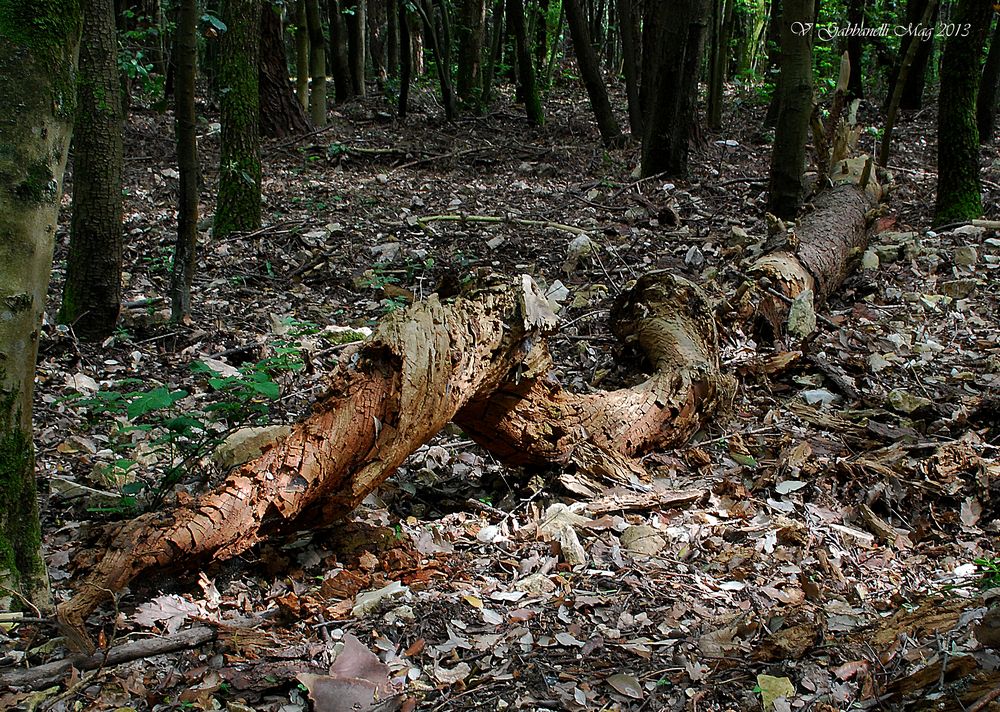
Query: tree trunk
{"points": [[376, 38], [342, 86], [855, 50], [471, 22], [959, 191], [301, 35], [902, 76], [317, 64], [590, 71], [986, 103], [392, 54], [496, 34], [436, 31], [91, 296], [405, 59], [186, 135], [912, 91], [356, 24], [774, 61], [238, 205], [628, 27], [788, 154], [722, 19], [38, 57], [672, 40], [281, 115], [525, 69]]}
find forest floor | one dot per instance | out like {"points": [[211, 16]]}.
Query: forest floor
{"points": [[827, 557]]}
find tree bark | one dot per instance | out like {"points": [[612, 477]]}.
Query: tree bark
{"points": [[301, 36], [185, 133], [91, 296], [525, 68], [855, 50], [436, 31], [788, 154], [959, 190], [912, 85], [628, 27], [356, 51], [317, 64], [39, 43], [343, 88], [471, 23], [590, 71], [722, 20], [238, 205], [405, 59], [986, 103], [672, 43], [281, 115]]}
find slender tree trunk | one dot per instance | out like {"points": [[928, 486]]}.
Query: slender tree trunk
{"points": [[855, 50], [281, 114], [392, 56], [342, 86], [405, 59], [238, 205], [376, 38], [898, 87], [788, 156], [185, 123], [437, 39], [774, 61], [38, 57], [317, 64], [912, 94], [525, 70], [673, 38], [356, 24], [986, 104], [959, 190], [301, 53], [91, 296], [591, 73], [495, 50], [471, 23], [721, 23], [628, 27]]}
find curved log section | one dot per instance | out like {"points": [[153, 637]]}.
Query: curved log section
{"points": [[533, 420]]}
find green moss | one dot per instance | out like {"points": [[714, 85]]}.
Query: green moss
{"points": [[18, 302], [38, 186], [39, 24], [20, 533]]}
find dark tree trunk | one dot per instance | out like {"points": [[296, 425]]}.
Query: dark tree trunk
{"points": [[392, 55], [92, 294], [376, 38], [541, 33], [628, 25], [722, 18], [301, 53], [342, 85], [281, 114], [471, 24], [525, 69], [356, 24], [586, 59], [774, 61], [672, 40], [959, 190], [405, 59], [317, 64], [185, 123], [789, 152], [855, 51], [436, 31], [986, 104], [912, 97], [496, 34], [238, 206]]}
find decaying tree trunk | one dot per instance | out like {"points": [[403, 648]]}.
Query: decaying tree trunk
{"points": [[480, 360]]}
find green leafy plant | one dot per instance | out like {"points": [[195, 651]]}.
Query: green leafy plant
{"points": [[989, 572]]}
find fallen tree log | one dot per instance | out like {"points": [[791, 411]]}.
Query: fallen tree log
{"points": [[482, 361]]}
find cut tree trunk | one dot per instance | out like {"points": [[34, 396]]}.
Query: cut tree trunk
{"points": [[480, 360]]}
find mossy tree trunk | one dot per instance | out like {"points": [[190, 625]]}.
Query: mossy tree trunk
{"points": [[91, 297], [185, 134], [525, 67], [238, 206], [39, 41], [673, 36], [788, 156], [959, 191], [590, 71]]}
